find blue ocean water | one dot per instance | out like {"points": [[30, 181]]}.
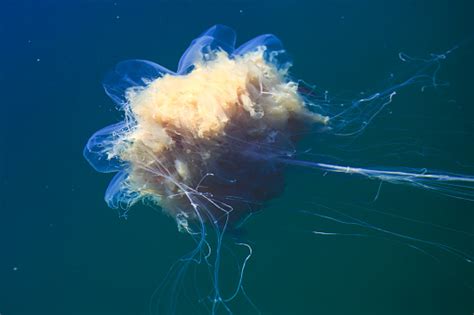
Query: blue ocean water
{"points": [[65, 252]]}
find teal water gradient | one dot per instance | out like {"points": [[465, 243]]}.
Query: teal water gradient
{"points": [[64, 252]]}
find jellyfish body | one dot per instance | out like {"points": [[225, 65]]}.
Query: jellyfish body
{"points": [[207, 136]]}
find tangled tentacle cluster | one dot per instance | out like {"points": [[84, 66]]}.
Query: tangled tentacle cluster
{"points": [[210, 133]]}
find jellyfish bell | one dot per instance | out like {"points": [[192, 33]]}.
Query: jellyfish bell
{"points": [[203, 143]]}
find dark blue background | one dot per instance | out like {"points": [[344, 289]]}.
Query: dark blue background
{"points": [[64, 252]]}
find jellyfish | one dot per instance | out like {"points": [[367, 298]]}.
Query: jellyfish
{"points": [[209, 143]]}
